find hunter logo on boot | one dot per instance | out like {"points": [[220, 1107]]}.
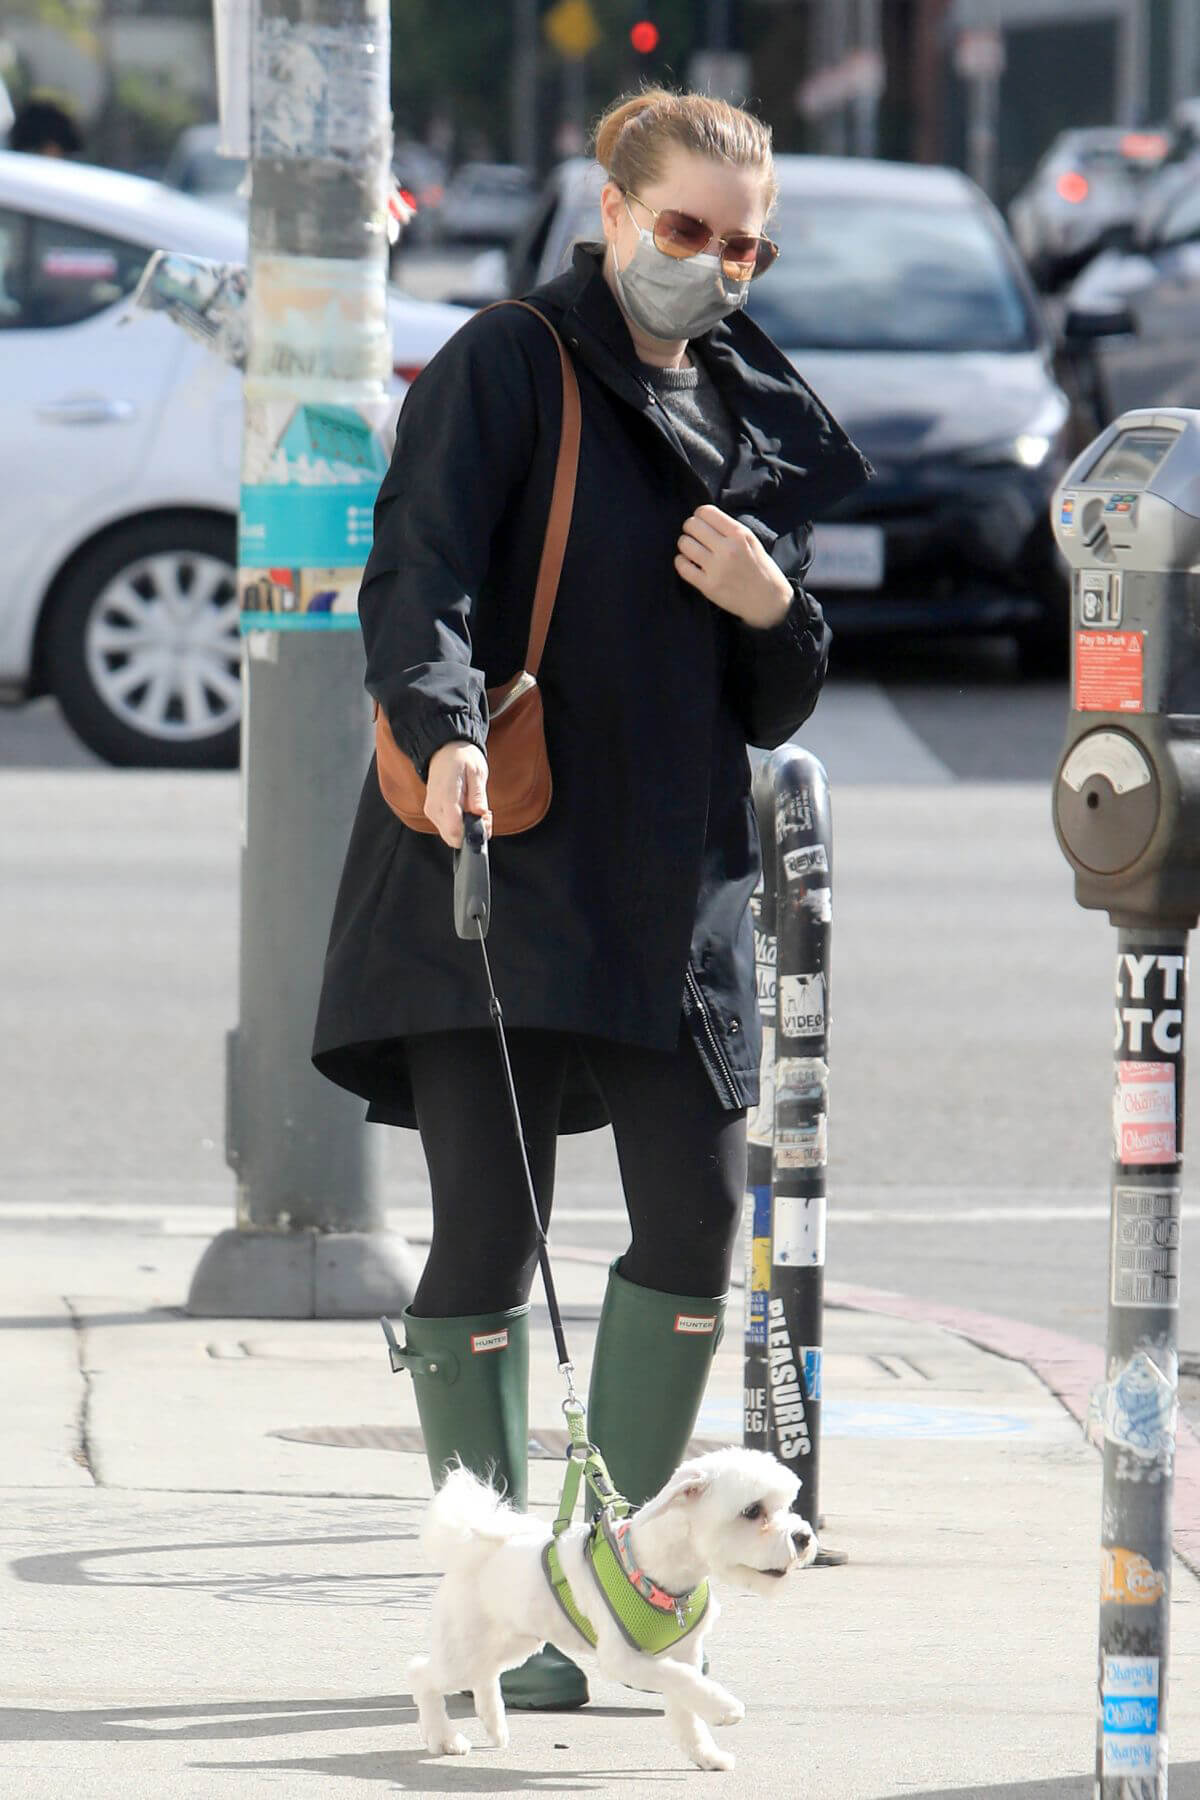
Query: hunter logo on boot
{"points": [[693, 1324], [488, 1340]]}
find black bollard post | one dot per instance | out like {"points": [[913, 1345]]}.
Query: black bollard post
{"points": [[1138, 1401], [760, 1130], [803, 860]]}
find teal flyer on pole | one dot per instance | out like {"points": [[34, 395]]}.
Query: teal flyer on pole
{"points": [[310, 479]]}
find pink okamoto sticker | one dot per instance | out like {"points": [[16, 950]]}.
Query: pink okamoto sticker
{"points": [[1144, 1116]]}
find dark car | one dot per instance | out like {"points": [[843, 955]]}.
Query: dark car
{"points": [[900, 297], [1133, 319], [1084, 196], [485, 203]]}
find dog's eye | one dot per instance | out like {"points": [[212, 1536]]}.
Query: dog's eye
{"points": [[753, 1512]]}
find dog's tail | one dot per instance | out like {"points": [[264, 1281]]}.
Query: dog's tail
{"points": [[465, 1513]]}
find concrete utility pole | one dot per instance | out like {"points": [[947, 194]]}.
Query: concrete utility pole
{"points": [[309, 1239]]}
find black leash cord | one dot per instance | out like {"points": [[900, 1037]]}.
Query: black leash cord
{"points": [[494, 1007], [472, 916]]}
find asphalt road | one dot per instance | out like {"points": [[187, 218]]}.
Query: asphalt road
{"points": [[970, 1062]]}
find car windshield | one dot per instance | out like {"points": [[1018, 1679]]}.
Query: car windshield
{"points": [[883, 275]]}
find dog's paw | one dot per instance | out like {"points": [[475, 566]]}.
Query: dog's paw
{"points": [[721, 1707], [452, 1743], [498, 1737], [717, 1762]]}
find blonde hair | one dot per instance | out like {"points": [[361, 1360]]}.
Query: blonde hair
{"points": [[632, 137]]}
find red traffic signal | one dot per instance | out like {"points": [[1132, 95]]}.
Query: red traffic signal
{"points": [[644, 37]]}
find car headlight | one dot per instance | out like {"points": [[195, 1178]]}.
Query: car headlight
{"points": [[1030, 448]]}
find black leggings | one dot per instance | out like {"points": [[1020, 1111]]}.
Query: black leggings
{"points": [[682, 1157]]}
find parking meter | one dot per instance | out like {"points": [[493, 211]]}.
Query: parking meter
{"points": [[1127, 794], [1127, 815]]}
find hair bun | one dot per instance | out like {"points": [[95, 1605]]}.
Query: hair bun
{"points": [[634, 135]]}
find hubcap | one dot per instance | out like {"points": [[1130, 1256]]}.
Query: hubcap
{"points": [[162, 646]]}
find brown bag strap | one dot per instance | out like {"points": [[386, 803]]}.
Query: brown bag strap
{"points": [[562, 498]]}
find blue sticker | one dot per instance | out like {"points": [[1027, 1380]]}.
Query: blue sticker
{"points": [[289, 526], [811, 1364], [1131, 1717], [1066, 513], [305, 621], [1129, 1755], [759, 1265], [312, 502]]}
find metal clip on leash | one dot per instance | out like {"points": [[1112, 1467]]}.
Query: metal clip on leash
{"points": [[472, 916]]}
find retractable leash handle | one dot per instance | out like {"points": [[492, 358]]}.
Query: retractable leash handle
{"points": [[472, 881]]}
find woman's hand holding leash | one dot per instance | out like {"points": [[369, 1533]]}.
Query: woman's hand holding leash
{"points": [[723, 559], [457, 783]]}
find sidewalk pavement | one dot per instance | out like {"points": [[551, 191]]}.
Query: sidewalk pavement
{"points": [[206, 1594]]}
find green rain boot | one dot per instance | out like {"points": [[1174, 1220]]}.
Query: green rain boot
{"points": [[650, 1367], [471, 1378]]}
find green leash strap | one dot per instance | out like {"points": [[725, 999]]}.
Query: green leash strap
{"points": [[648, 1627], [585, 1463]]}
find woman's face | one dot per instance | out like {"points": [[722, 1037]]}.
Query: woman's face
{"points": [[731, 201]]}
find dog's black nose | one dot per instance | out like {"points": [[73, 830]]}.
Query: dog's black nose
{"points": [[801, 1539]]}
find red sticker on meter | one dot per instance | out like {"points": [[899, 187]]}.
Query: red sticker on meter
{"points": [[1108, 671]]}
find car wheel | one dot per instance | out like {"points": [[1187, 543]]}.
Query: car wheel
{"points": [[142, 646]]}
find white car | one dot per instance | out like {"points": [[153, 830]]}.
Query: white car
{"points": [[120, 448]]}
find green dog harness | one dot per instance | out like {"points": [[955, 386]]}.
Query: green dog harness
{"points": [[648, 1617]]}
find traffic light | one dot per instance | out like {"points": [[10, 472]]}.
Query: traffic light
{"points": [[644, 37]]}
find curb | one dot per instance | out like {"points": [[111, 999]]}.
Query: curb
{"points": [[1069, 1367]]}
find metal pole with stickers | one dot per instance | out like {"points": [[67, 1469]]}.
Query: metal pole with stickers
{"points": [[310, 1238], [1127, 816], [788, 1131]]}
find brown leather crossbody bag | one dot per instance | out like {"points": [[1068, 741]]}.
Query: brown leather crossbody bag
{"points": [[519, 782]]}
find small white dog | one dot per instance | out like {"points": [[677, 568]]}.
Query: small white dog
{"points": [[725, 1514]]}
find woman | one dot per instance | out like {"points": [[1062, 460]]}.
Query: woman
{"points": [[621, 938]]}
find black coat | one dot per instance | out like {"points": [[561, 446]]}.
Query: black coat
{"points": [[638, 881]]}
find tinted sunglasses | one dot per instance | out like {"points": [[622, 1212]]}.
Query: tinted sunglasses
{"points": [[677, 234]]}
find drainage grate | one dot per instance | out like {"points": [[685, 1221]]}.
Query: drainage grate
{"points": [[548, 1446]]}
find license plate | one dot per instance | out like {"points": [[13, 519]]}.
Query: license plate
{"points": [[847, 556]]}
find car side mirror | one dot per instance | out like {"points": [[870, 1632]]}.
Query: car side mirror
{"points": [[1084, 325]]}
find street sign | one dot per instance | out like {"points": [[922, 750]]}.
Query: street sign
{"points": [[572, 28]]}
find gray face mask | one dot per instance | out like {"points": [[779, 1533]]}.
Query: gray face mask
{"points": [[674, 298]]}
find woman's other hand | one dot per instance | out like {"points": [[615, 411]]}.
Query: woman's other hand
{"points": [[457, 784], [723, 559]]}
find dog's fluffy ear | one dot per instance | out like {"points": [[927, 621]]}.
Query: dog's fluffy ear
{"points": [[687, 1484]]}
